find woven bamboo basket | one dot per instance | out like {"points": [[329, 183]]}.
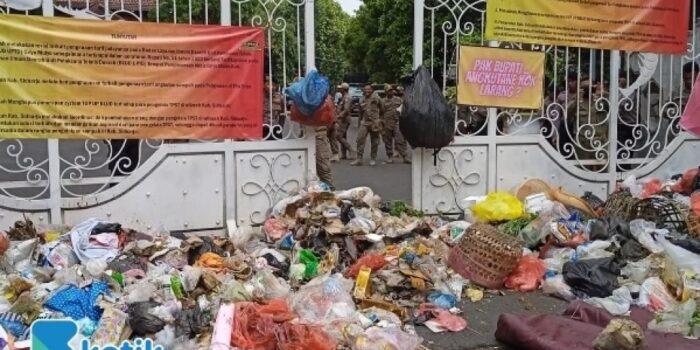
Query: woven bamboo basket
{"points": [[485, 256], [619, 204], [666, 213]]}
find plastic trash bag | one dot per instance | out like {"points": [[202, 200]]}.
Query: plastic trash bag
{"points": [[556, 286], [606, 228], [323, 116], [498, 206], [642, 231], [141, 321], [683, 259], [617, 304], [528, 275], [268, 287], [593, 278], [442, 300], [377, 338], [426, 118], [324, 300], [675, 320], [440, 319], [637, 271], [654, 295], [309, 93], [594, 250]]}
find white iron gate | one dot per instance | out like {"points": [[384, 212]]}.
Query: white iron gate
{"points": [[584, 143], [192, 186]]}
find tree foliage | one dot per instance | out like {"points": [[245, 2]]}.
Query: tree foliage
{"points": [[284, 19]]}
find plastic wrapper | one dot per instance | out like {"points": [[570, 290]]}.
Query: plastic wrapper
{"points": [[682, 258], [426, 118], [325, 300], [18, 251], [497, 207], [556, 286], [538, 229], [642, 231], [555, 258], [268, 287], [654, 295], [310, 261], [528, 275], [441, 318], [633, 186], [309, 93], [617, 304], [594, 250], [442, 300], [373, 261], [322, 117], [637, 271], [361, 226], [378, 338], [675, 319]]}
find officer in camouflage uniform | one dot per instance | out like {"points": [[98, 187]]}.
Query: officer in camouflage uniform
{"points": [[371, 112], [343, 123], [391, 131]]}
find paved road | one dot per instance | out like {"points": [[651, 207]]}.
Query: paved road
{"points": [[391, 181]]}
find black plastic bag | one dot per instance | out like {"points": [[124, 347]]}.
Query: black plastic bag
{"points": [[592, 277], [426, 118], [141, 321], [605, 228], [633, 251]]}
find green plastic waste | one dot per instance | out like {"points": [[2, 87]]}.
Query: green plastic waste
{"points": [[176, 285], [118, 277], [310, 260]]}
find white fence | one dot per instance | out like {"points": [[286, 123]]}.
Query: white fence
{"points": [[193, 186], [624, 122]]}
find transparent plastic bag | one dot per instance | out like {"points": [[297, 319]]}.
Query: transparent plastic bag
{"points": [[676, 319], [498, 206], [324, 300]]}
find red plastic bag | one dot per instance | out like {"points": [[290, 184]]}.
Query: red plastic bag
{"points": [[652, 187], [685, 184], [528, 275], [373, 261], [252, 330], [324, 116], [442, 317]]}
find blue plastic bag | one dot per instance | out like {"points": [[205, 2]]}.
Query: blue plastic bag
{"points": [[309, 93], [442, 300]]}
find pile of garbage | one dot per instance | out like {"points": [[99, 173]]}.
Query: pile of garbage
{"points": [[343, 269]]}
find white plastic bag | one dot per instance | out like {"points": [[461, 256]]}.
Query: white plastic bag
{"points": [[633, 186], [637, 271], [682, 258], [642, 230], [557, 286], [594, 250], [617, 304]]}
